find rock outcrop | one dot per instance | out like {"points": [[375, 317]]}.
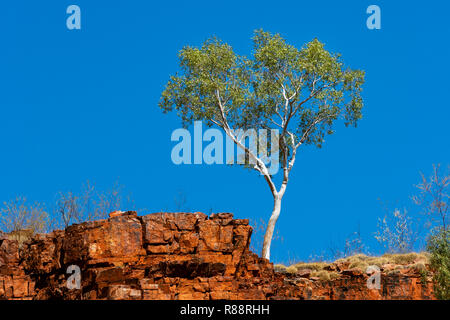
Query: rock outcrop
{"points": [[171, 256]]}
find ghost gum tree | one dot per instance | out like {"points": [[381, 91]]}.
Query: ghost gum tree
{"points": [[300, 92]]}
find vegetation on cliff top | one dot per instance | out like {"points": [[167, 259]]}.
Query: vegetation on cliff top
{"points": [[388, 262]]}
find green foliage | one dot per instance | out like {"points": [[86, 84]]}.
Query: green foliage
{"points": [[423, 276], [214, 67], [439, 248], [302, 91]]}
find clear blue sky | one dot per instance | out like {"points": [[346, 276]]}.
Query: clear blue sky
{"points": [[82, 104]]}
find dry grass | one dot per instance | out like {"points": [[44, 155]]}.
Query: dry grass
{"points": [[325, 271], [314, 266], [408, 258], [325, 275], [291, 269], [279, 268], [21, 236]]}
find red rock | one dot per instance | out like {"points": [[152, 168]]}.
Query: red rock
{"points": [[9, 252], [20, 287], [352, 272], [123, 292], [115, 214], [148, 284], [174, 256], [221, 215], [219, 295], [110, 275], [189, 242], [120, 237], [304, 273], [214, 237]]}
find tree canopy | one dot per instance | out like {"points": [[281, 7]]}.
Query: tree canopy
{"points": [[300, 91]]}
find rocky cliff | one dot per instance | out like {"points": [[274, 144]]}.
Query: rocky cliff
{"points": [[172, 256]]}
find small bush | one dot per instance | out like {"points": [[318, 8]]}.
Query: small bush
{"points": [[291, 269], [18, 214], [408, 258], [439, 248], [325, 275], [396, 232], [361, 262], [361, 265], [322, 275], [420, 267]]}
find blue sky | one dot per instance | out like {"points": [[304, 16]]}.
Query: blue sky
{"points": [[82, 104]]}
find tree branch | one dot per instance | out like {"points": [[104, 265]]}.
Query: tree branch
{"points": [[259, 165]]}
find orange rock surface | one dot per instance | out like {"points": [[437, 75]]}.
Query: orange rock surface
{"points": [[171, 256]]}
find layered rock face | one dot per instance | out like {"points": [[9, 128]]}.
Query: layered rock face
{"points": [[170, 256]]}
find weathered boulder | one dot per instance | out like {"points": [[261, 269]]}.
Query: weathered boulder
{"points": [[117, 239]]}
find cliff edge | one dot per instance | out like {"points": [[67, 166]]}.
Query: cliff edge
{"points": [[173, 256]]}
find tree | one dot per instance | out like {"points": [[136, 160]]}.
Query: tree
{"points": [[108, 201], [396, 232], [91, 204], [17, 215], [434, 197], [68, 208], [300, 92]]}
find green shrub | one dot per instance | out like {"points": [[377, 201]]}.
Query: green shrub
{"points": [[439, 248]]}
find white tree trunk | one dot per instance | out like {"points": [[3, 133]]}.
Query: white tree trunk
{"points": [[271, 226]]}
